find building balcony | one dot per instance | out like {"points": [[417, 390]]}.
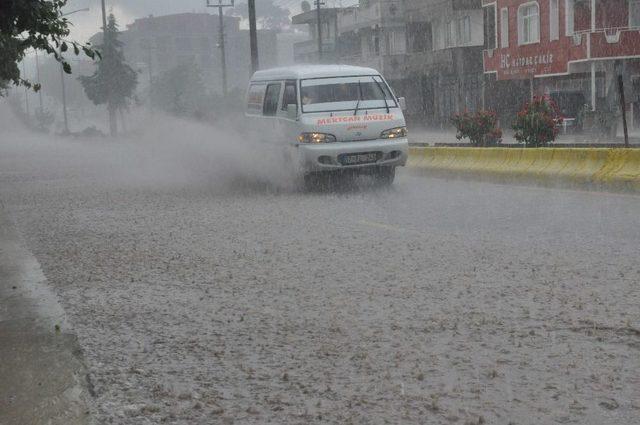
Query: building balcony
{"points": [[307, 51], [311, 46], [554, 58], [422, 62], [609, 43], [368, 18], [391, 67]]}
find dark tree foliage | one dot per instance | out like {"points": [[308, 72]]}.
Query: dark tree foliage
{"points": [[33, 24], [113, 83]]}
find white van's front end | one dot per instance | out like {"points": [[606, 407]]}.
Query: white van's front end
{"points": [[342, 140], [350, 122], [331, 118]]}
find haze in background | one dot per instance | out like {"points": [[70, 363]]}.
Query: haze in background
{"points": [[86, 24]]}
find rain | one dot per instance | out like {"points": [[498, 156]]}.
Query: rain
{"points": [[310, 212]]}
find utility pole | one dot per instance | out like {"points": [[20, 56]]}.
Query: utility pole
{"points": [[223, 53], [319, 4], [104, 20], [623, 108], [253, 35]]}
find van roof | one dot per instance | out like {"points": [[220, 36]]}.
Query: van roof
{"points": [[311, 71]]}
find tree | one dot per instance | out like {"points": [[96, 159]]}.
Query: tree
{"points": [[179, 91], [33, 24], [113, 82]]}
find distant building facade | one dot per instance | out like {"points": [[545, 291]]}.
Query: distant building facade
{"points": [[570, 49], [372, 34], [157, 44], [307, 51], [444, 59]]}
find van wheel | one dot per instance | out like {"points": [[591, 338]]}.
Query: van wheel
{"points": [[317, 181], [385, 176]]}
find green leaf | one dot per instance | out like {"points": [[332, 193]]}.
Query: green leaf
{"points": [[90, 53], [63, 47], [66, 67], [76, 50]]}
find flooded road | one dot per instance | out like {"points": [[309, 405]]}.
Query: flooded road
{"points": [[203, 293]]}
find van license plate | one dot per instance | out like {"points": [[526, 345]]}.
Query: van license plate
{"points": [[359, 158]]}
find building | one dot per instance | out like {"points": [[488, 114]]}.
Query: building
{"points": [[444, 45], [429, 51], [286, 42], [372, 34], [156, 44], [307, 51], [572, 50]]}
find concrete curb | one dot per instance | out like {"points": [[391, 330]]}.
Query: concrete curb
{"points": [[41, 372], [609, 169]]}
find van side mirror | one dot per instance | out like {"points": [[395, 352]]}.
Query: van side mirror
{"points": [[403, 103], [292, 111]]}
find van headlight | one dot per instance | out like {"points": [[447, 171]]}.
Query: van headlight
{"points": [[316, 138], [394, 133]]}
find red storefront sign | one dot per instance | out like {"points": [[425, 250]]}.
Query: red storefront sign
{"points": [[514, 66], [523, 61], [612, 36]]}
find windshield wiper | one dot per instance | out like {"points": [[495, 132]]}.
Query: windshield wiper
{"points": [[384, 94], [359, 98]]}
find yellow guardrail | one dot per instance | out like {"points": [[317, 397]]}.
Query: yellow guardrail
{"points": [[611, 168]]}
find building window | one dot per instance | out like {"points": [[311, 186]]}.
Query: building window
{"points": [[290, 96], [396, 42], [464, 31], [271, 100], [419, 37], [554, 20], [489, 22], [504, 27], [569, 8], [450, 34], [634, 13], [529, 23]]}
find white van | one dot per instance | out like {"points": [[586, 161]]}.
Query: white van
{"points": [[330, 118]]}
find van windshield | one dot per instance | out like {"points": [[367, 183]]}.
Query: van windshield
{"points": [[343, 93]]}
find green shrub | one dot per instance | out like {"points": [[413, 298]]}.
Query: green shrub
{"points": [[479, 127], [538, 123]]}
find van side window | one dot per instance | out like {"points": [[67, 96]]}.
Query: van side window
{"points": [[290, 96], [271, 99], [255, 98]]}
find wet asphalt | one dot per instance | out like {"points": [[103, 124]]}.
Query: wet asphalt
{"points": [[202, 297]]}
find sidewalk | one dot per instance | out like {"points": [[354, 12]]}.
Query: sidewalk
{"points": [[41, 375]]}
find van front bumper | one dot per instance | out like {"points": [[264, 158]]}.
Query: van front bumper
{"points": [[331, 156]]}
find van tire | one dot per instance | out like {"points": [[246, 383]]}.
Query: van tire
{"points": [[385, 176], [317, 181]]}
